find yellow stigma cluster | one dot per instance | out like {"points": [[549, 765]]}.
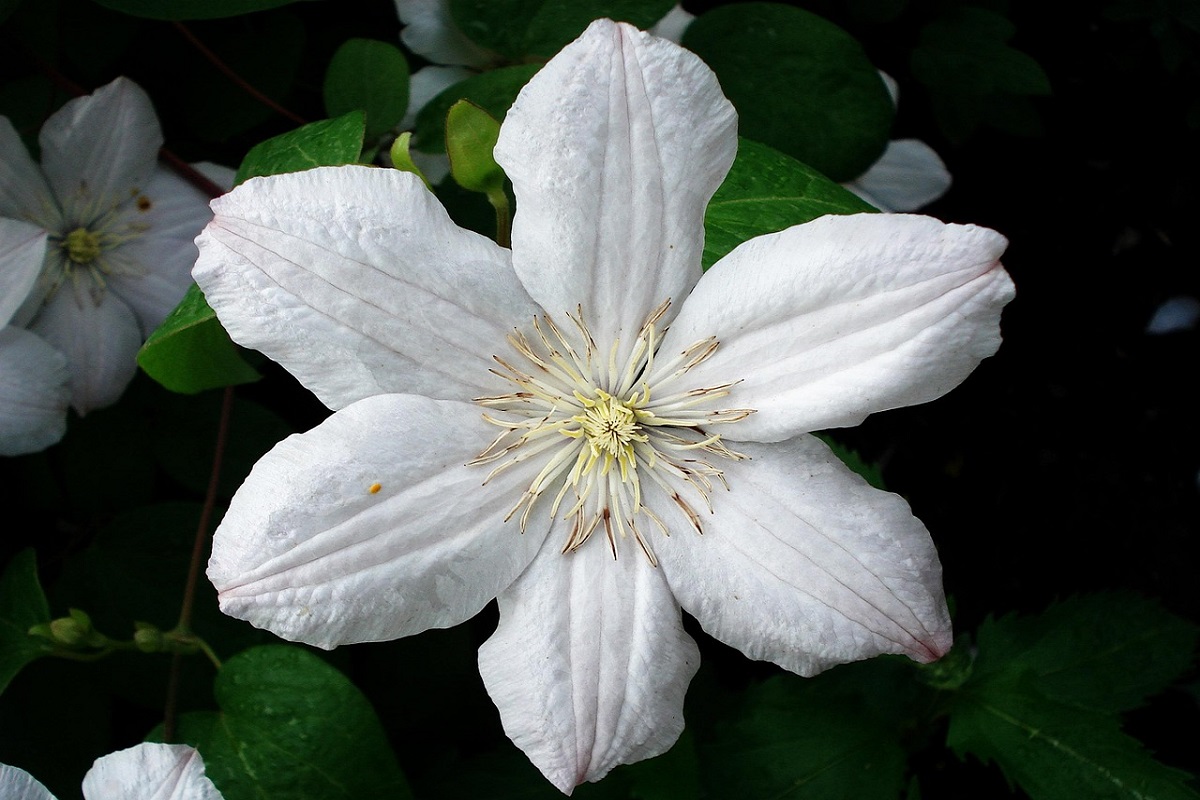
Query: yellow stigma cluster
{"points": [[599, 431]]}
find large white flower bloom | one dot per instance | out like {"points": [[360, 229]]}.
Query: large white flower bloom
{"points": [[147, 771], [119, 231], [585, 426]]}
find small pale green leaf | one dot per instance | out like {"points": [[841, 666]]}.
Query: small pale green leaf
{"points": [[800, 84], [190, 9], [767, 191], [1057, 751], [516, 29], [471, 134], [190, 352], [402, 158], [291, 727], [494, 91], [327, 143], [370, 76], [22, 606]]}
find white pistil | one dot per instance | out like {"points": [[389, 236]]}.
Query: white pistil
{"points": [[602, 427]]}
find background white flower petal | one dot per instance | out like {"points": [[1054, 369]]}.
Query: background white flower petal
{"points": [[100, 147], [22, 249], [836, 319], [17, 784], [33, 393], [150, 771], [371, 526], [358, 283], [429, 31], [907, 176], [614, 150], [100, 341], [804, 564], [24, 193], [590, 662]]}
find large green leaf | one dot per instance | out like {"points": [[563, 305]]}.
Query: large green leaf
{"points": [[516, 29], [291, 727], [371, 76], [190, 351], [22, 605], [1057, 751], [190, 9], [327, 143], [767, 191], [800, 84]]}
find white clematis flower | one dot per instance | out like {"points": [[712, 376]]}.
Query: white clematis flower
{"points": [[119, 231], [147, 771], [909, 174], [585, 426]]}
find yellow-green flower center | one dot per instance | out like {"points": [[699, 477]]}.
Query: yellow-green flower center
{"points": [[82, 246]]}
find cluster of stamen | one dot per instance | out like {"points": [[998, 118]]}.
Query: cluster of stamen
{"points": [[87, 251], [602, 428]]}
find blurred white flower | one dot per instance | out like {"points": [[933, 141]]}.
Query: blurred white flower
{"points": [[119, 231], [1179, 313], [148, 771]]}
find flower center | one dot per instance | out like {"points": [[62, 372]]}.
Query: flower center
{"points": [[599, 431], [82, 246]]}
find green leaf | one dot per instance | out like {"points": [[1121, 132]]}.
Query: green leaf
{"points": [[471, 134], [327, 143], [190, 9], [811, 739], [517, 29], [1107, 651], [370, 76], [868, 471], [1057, 751], [22, 605], [291, 727], [190, 351], [800, 84], [974, 77], [767, 191], [494, 91]]}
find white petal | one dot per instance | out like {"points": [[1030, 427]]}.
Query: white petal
{"points": [[1179, 313], [17, 784], [100, 341], [673, 24], [804, 564], [844, 316], [429, 31], [614, 150], [99, 148], [426, 84], [370, 526], [173, 213], [356, 281], [907, 176], [22, 251], [590, 662], [150, 771], [33, 393], [24, 193]]}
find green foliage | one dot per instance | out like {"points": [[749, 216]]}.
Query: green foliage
{"points": [[516, 29], [767, 191], [190, 9], [493, 91], [326, 143], [1042, 699], [190, 351], [22, 606], [291, 727], [471, 134], [370, 76], [800, 84], [974, 77]]}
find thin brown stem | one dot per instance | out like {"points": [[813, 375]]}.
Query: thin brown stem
{"points": [[238, 80]]}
